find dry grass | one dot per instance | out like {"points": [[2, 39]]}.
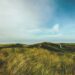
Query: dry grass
{"points": [[35, 61]]}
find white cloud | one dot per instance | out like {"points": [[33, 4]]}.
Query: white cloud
{"points": [[56, 28], [53, 32], [23, 14], [21, 19], [56, 35], [49, 36]]}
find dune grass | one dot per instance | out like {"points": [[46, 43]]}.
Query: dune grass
{"points": [[35, 61]]}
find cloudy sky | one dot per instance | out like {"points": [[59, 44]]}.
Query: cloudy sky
{"points": [[30, 21]]}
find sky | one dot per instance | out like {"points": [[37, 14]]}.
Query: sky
{"points": [[31, 21]]}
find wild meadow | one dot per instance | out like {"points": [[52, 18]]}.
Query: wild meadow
{"points": [[36, 61]]}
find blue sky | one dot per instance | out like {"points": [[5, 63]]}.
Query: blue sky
{"points": [[31, 21]]}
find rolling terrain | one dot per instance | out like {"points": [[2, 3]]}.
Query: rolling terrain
{"points": [[37, 59]]}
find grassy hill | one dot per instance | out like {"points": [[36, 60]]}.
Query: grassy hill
{"points": [[37, 59]]}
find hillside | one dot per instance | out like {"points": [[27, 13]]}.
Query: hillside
{"points": [[37, 59], [56, 47]]}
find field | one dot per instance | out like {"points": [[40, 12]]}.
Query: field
{"points": [[37, 59]]}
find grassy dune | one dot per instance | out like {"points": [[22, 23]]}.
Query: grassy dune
{"points": [[36, 60]]}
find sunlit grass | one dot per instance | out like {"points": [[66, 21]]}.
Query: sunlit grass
{"points": [[36, 61]]}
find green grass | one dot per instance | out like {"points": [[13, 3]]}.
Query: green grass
{"points": [[36, 61]]}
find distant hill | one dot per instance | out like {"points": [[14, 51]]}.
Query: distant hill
{"points": [[58, 47]]}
